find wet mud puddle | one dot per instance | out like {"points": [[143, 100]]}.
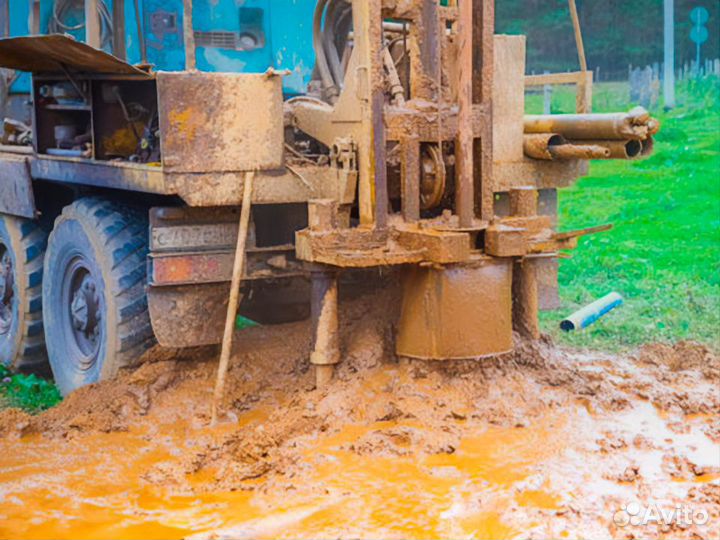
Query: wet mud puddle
{"points": [[553, 477]]}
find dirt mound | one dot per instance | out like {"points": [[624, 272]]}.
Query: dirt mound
{"points": [[278, 431], [14, 423], [682, 356]]}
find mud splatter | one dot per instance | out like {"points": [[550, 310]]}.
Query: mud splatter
{"points": [[540, 443]]}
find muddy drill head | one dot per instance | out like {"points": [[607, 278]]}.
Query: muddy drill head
{"points": [[423, 110]]}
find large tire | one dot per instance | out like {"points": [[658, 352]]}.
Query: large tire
{"points": [[22, 248], [96, 316]]}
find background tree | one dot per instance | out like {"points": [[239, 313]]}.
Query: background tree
{"points": [[617, 32]]}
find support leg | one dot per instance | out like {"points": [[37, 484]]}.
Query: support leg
{"points": [[326, 347], [525, 299], [526, 307]]}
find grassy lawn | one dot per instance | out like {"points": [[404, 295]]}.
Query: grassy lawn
{"points": [[664, 252]]}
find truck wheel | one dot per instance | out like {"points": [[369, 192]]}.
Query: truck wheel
{"points": [[22, 246], [96, 315]]}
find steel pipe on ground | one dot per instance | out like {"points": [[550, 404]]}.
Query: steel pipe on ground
{"points": [[591, 313]]}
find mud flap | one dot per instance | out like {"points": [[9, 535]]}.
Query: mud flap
{"points": [[16, 193], [188, 316], [456, 312]]}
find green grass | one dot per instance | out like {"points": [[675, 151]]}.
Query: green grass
{"points": [[664, 253], [27, 392]]}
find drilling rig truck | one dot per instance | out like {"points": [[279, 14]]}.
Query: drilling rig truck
{"points": [[377, 133]]}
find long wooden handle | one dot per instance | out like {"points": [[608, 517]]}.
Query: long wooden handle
{"points": [[237, 275], [578, 35]]}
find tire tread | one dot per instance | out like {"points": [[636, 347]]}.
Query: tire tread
{"points": [[123, 231], [33, 240]]}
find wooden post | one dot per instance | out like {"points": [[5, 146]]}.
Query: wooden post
{"points": [[92, 24], [547, 97], [583, 99], [578, 35], [234, 301], [584, 87]]}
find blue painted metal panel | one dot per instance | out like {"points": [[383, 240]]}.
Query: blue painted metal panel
{"points": [[19, 19], [75, 15], [291, 28], [162, 25], [224, 16], [285, 27]]}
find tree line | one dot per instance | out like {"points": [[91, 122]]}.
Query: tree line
{"points": [[616, 32]]}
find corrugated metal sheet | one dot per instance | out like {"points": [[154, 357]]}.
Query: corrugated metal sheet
{"points": [[46, 54]]}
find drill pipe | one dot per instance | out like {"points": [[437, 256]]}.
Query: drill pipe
{"points": [[579, 151], [648, 145], [653, 126], [551, 146], [617, 149], [634, 125]]}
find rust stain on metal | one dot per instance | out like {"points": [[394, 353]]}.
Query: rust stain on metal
{"points": [[219, 122]]}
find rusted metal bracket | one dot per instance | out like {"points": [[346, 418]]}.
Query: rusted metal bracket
{"points": [[566, 240], [324, 243]]}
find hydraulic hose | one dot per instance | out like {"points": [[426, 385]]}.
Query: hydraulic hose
{"points": [[337, 20], [329, 48], [322, 64], [56, 25]]}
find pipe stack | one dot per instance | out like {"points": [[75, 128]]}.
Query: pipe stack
{"points": [[590, 136]]}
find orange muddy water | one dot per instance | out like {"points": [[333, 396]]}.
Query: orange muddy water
{"points": [[542, 443]]}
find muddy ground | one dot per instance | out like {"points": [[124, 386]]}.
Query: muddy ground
{"points": [[542, 443]]}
